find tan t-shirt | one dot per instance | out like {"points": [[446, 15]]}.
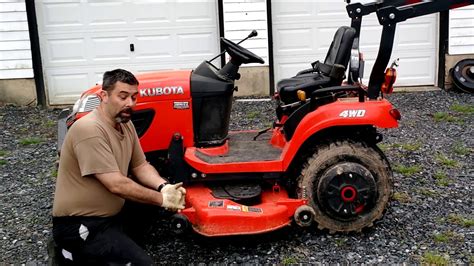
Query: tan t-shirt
{"points": [[93, 146]]}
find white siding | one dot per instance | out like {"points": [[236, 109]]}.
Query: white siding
{"points": [[15, 54], [243, 16], [461, 31]]}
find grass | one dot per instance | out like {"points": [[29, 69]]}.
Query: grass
{"points": [[445, 117], [407, 170], [50, 123], [428, 192], [461, 149], [340, 241], [464, 109], [54, 172], [3, 153], [441, 179], [402, 197], [289, 261], [460, 220], [448, 236], [383, 147], [411, 146], [432, 258], [252, 114], [29, 141], [3, 162], [445, 161]]}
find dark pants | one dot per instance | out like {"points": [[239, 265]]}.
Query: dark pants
{"points": [[97, 241]]}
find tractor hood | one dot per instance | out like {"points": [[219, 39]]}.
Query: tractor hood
{"points": [[158, 86]]}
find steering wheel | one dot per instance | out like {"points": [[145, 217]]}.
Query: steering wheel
{"points": [[239, 54]]}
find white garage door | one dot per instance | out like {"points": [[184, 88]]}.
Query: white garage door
{"points": [[303, 31], [80, 40]]}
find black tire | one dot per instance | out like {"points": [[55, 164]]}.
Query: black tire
{"points": [[463, 75], [348, 184]]}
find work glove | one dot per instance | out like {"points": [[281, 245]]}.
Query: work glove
{"points": [[173, 197]]}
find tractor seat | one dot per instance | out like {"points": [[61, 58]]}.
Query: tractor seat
{"points": [[321, 75]]}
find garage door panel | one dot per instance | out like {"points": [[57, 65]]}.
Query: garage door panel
{"points": [[196, 44], [151, 13], [152, 47], [284, 13], [110, 48], [416, 68], [193, 12], [60, 16], [292, 40], [63, 86], [116, 14], [300, 10], [416, 36], [65, 51]]}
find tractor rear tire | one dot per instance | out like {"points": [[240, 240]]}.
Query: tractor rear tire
{"points": [[348, 184]]}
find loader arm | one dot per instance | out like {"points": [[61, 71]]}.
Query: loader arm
{"points": [[389, 15]]}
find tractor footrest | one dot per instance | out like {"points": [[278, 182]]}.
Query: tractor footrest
{"points": [[211, 216]]}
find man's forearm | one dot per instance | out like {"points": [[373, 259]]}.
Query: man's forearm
{"points": [[147, 175], [130, 190]]}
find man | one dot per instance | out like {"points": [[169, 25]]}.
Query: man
{"points": [[98, 153]]}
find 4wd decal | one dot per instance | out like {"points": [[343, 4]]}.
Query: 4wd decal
{"points": [[161, 91], [352, 113]]}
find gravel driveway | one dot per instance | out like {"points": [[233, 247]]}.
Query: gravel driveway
{"points": [[430, 218]]}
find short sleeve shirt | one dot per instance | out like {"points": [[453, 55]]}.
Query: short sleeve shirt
{"points": [[93, 146]]}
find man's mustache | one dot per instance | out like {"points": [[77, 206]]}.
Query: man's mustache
{"points": [[127, 111]]}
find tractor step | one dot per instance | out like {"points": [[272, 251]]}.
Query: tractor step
{"points": [[243, 148], [240, 154], [211, 216]]}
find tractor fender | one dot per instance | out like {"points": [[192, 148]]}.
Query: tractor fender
{"points": [[339, 114]]}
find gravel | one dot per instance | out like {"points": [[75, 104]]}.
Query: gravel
{"points": [[430, 218]]}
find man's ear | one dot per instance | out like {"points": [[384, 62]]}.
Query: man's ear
{"points": [[104, 96]]}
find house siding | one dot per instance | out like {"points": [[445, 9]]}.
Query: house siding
{"points": [[15, 52], [461, 31]]}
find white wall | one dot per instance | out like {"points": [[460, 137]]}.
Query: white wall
{"points": [[461, 30], [243, 16], [15, 54]]}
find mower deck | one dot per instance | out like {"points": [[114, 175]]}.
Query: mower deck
{"points": [[212, 216]]}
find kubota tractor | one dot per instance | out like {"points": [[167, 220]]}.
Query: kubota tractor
{"points": [[318, 163]]}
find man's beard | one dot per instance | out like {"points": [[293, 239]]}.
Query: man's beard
{"points": [[124, 116]]}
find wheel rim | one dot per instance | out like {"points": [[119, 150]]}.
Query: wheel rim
{"points": [[346, 191]]}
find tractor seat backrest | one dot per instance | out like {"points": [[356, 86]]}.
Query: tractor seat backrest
{"points": [[340, 49]]}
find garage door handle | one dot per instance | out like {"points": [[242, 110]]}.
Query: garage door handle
{"points": [[132, 47]]}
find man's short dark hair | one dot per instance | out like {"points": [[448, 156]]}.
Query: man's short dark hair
{"points": [[111, 77]]}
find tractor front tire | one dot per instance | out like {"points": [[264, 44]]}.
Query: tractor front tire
{"points": [[348, 184]]}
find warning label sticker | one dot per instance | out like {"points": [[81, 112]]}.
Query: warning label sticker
{"points": [[233, 208], [253, 209], [216, 203]]}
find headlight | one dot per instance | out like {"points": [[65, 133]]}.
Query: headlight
{"points": [[75, 108], [86, 104]]}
